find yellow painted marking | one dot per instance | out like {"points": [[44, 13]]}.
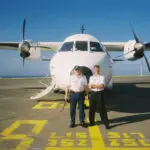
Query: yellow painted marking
{"points": [[114, 142], [81, 135], [126, 135], [144, 143], [46, 105], [67, 143], [139, 134], [26, 141], [54, 105], [54, 136], [112, 135], [52, 142], [129, 142], [82, 142], [69, 134], [96, 138]]}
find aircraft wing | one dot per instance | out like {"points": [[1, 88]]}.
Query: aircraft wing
{"points": [[42, 45], [119, 46], [50, 45], [9, 45], [114, 46]]}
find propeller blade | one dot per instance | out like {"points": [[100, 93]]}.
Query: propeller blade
{"points": [[23, 61], [134, 34], [23, 29], [148, 65]]}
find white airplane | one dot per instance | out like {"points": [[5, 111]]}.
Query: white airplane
{"points": [[79, 49]]}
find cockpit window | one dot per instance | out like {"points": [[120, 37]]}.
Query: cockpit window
{"points": [[95, 47], [68, 46], [81, 46]]}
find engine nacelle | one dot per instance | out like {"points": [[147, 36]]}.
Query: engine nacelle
{"points": [[30, 50], [129, 46]]}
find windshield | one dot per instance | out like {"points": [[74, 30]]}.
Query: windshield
{"points": [[81, 46], [68, 46], [95, 47]]}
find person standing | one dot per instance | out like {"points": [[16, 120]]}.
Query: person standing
{"points": [[96, 97], [77, 87]]}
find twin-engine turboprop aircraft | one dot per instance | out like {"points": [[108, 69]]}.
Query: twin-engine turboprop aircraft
{"points": [[79, 49]]}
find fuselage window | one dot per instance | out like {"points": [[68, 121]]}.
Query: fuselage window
{"points": [[81, 46], [95, 47], [68, 46]]}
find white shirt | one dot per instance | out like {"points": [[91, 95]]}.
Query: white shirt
{"points": [[97, 79], [77, 83]]}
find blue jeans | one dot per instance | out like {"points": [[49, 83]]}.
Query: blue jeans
{"points": [[74, 98]]}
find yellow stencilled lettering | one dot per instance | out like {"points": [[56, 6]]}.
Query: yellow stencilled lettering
{"points": [[26, 141], [113, 135], [81, 135], [139, 134], [54, 135], [69, 134], [129, 142], [126, 135], [114, 142], [66, 143], [82, 143], [144, 142], [52, 142], [46, 105]]}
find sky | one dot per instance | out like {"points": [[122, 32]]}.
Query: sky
{"points": [[54, 20]]}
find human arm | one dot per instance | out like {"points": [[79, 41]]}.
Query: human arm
{"points": [[99, 84], [66, 93]]}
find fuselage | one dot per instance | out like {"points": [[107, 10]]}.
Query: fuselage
{"points": [[83, 50]]}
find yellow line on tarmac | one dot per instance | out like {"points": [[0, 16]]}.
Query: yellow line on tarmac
{"points": [[96, 138]]}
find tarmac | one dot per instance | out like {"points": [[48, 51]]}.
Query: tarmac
{"points": [[41, 125]]}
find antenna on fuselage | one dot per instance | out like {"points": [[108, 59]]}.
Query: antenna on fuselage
{"points": [[82, 29]]}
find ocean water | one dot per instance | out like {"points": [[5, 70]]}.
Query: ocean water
{"points": [[11, 65]]}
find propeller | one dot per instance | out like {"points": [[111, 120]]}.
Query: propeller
{"points": [[139, 48], [25, 46], [134, 34]]}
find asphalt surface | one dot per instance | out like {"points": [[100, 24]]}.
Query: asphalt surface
{"points": [[40, 125]]}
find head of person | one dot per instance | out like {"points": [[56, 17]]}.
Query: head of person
{"points": [[77, 70], [96, 69]]}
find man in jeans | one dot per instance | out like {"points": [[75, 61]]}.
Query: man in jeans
{"points": [[77, 86]]}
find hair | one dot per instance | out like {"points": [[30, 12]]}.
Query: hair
{"points": [[97, 66]]}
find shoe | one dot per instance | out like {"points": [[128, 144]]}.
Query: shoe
{"points": [[92, 124], [83, 124], [72, 125], [107, 125]]}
